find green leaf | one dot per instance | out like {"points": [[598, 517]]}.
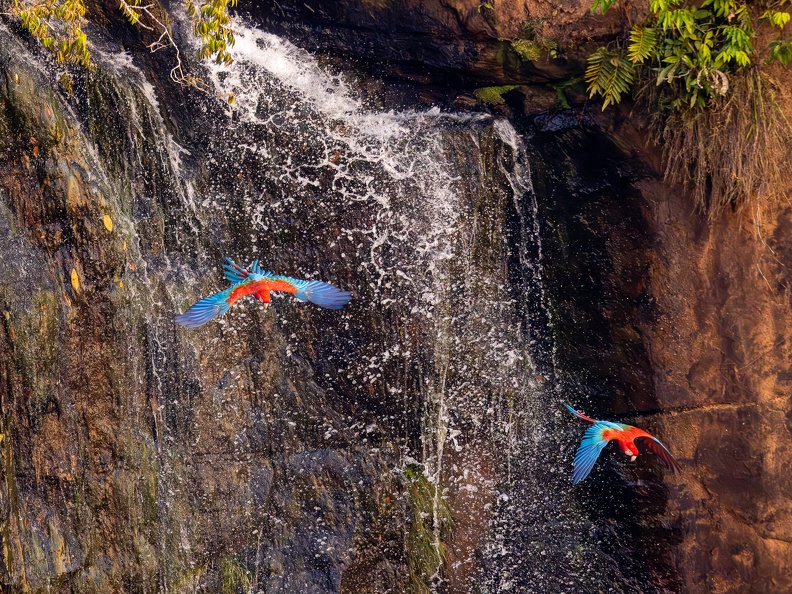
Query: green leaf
{"points": [[776, 18], [666, 74], [643, 43], [603, 5], [781, 51]]}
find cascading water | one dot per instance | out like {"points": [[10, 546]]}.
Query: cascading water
{"points": [[274, 450], [440, 190]]}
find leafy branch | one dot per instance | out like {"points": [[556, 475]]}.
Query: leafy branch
{"points": [[58, 25], [211, 23]]}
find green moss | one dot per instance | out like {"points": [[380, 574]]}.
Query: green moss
{"points": [[234, 577], [425, 555], [527, 49], [533, 45], [190, 580], [492, 95]]}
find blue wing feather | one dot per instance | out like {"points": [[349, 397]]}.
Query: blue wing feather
{"points": [[589, 450], [206, 309], [318, 292]]}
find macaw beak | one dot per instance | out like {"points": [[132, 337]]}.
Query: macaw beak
{"points": [[632, 458]]}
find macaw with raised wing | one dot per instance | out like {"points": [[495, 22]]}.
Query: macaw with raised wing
{"points": [[259, 283], [600, 433]]}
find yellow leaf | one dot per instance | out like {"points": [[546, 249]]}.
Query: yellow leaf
{"points": [[108, 222], [121, 284], [75, 280]]}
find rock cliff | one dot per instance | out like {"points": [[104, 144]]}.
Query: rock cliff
{"points": [[139, 457]]}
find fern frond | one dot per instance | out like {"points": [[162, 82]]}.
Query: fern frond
{"points": [[598, 71], [609, 74], [643, 43]]}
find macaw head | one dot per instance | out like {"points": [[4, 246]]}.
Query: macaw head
{"points": [[631, 451]]}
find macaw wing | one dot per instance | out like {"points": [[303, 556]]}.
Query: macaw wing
{"points": [[655, 446], [318, 292], [205, 310], [589, 450]]}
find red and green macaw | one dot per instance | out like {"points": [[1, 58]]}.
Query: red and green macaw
{"points": [[600, 433], [259, 283]]}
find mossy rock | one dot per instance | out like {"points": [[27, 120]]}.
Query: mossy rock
{"points": [[492, 95]]}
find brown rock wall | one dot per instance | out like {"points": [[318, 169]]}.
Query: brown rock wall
{"points": [[721, 358]]}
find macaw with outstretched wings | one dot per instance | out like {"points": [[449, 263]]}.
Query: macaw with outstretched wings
{"points": [[259, 283], [600, 433]]}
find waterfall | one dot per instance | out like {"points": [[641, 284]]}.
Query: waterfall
{"points": [[450, 198]]}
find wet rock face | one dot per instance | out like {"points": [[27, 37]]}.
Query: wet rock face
{"points": [[596, 250], [266, 449], [138, 457], [460, 43]]}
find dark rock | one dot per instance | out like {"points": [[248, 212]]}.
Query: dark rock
{"points": [[448, 43]]}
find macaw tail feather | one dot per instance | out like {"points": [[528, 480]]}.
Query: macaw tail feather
{"points": [[236, 274], [323, 294], [206, 309], [580, 414]]}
